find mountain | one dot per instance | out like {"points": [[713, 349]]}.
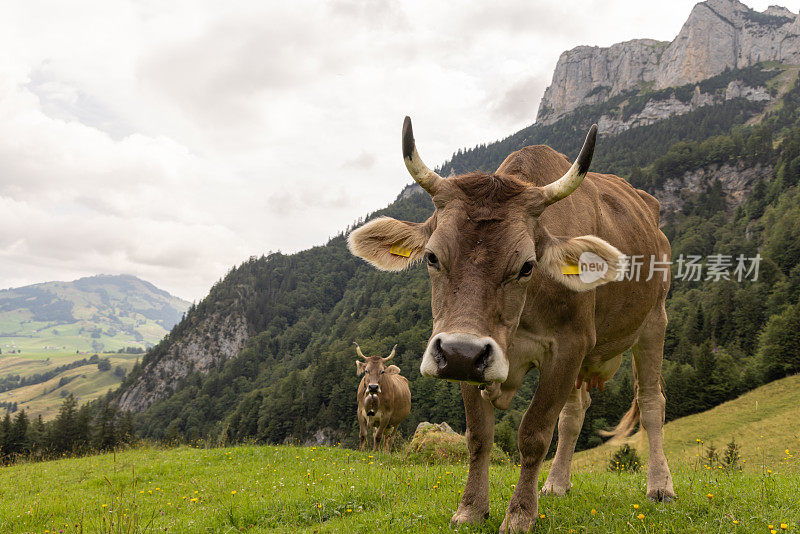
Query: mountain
{"points": [[268, 355], [718, 35], [97, 313]]}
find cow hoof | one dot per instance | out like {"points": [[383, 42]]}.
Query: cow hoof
{"points": [[517, 522], [468, 516], [554, 489], [661, 495]]}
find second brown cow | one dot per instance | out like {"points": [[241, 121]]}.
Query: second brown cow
{"points": [[384, 400]]}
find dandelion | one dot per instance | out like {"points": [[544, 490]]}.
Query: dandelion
{"points": [[233, 492], [640, 516], [635, 506], [784, 526], [710, 496], [735, 521], [349, 510], [594, 512], [541, 516]]}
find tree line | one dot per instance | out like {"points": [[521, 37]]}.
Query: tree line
{"points": [[94, 427]]}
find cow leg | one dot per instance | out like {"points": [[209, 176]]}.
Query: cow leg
{"points": [[388, 439], [570, 421], [362, 431], [474, 506], [647, 355], [380, 437], [536, 433]]}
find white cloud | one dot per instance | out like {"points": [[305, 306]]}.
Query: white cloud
{"points": [[172, 141]]}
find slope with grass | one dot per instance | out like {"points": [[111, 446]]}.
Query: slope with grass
{"points": [[331, 489], [87, 382], [765, 423]]}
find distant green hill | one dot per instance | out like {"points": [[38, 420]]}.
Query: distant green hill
{"points": [[97, 313]]}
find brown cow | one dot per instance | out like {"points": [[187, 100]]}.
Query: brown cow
{"points": [[519, 280], [384, 400]]}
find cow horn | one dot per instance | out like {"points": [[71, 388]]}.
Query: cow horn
{"points": [[389, 357], [358, 350], [426, 178], [570, 181]]}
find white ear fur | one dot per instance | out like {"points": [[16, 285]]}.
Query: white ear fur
{"points": [[562, 253], [373, 241], [392, 370], [359, 368]]}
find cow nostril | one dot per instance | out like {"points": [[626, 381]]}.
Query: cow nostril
{"points": [[482, 361], [438, 354]]}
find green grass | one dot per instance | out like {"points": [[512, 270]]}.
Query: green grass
{"points": [[87, 382], [764, 422], [324, 489], [290, 489]]}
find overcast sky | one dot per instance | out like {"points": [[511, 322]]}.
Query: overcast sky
{"points": [[173, 140]]}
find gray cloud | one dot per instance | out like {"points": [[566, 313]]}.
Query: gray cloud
{"points": [[519, 102], [362, 162]]}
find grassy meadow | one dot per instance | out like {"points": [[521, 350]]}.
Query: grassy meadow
{"points": [[86, 382], [331, 489]]}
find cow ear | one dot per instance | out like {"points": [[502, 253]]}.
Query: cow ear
{"points": [[581, 263], [389, 244], [360, 367], [392, 370]]}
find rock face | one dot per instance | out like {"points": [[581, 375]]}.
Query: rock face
{"points": [[737, 181], [660, 109], [719, 34], [216, 339], [437, 427]]}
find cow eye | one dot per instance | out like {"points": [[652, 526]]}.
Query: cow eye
{"points": [[433, 261], [526, 270]]}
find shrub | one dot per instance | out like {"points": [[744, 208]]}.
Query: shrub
{"points": [[710, 456], [731, 456], [625, 459]]}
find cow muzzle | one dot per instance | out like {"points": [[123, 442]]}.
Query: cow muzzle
{"points": [[464, 357]]}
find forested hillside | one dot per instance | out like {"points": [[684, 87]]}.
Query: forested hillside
{"points": [[295, 379]]}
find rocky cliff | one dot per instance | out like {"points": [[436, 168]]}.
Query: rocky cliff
{"points": [[662, 107], [736, 182], [215, 339], [718, 35]]}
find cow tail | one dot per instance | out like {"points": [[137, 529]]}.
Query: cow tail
{"points": [[628, 422]]}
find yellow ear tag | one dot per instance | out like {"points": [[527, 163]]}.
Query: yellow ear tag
{"points": [[397, 250], [570, 268]]}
